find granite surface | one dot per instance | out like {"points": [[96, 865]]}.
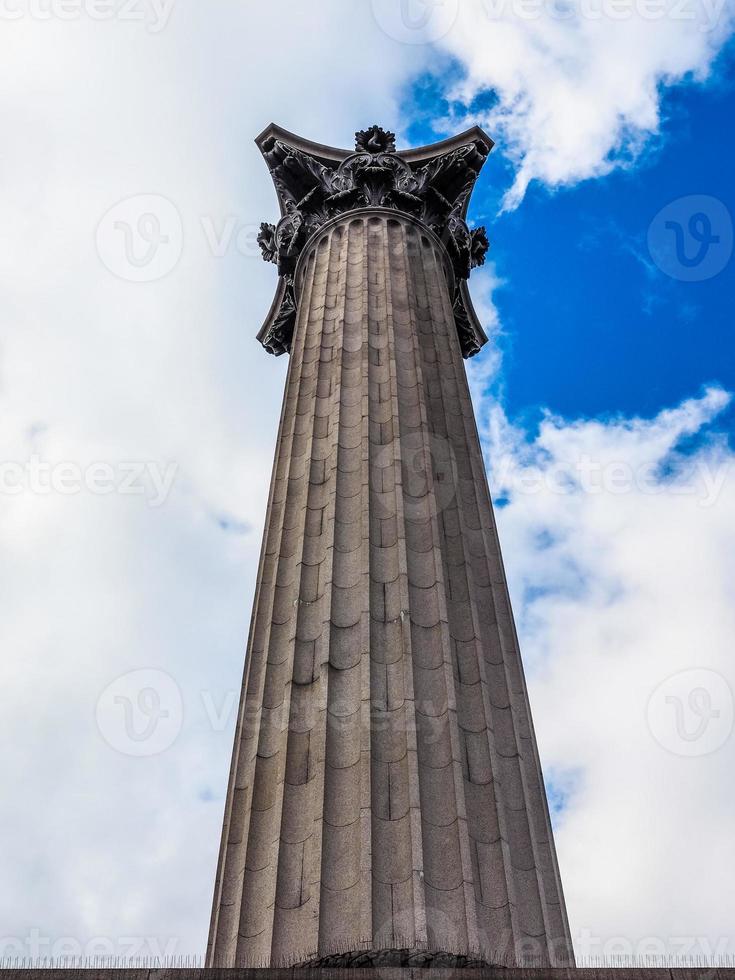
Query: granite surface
{"points": [[386, 791]]}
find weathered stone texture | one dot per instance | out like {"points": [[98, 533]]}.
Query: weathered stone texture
{"points": [[386, 790]]}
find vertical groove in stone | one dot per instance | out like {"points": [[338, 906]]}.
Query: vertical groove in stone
{"points": [[366, 749], [342, 887], [229, 884], [436, 804], [409, 922], [490, 878], [259, 883], [296, 922], [449, 867], [391, 819], [385, 789]]}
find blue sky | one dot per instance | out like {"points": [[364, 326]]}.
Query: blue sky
{"points": [[591, 326]]}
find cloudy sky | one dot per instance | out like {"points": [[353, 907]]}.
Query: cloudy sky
{"points": [[138, 416]]}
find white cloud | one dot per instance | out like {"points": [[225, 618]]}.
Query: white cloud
{"points": [[578, 83], [619, 543]]}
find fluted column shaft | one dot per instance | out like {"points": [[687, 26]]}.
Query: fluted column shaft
{"points": [[385, 790]]}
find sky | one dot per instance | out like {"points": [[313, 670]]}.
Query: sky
{"points": [[138, 416]]}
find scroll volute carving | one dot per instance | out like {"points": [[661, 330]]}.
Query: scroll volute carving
{"points": [[315, 184]]}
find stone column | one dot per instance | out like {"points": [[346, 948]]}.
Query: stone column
{"points": [[385, 793]]}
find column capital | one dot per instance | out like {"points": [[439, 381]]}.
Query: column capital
{"points": [[316, 183]]}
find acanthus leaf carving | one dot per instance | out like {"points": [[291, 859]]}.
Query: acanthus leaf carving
{"points": [[312, 190], [278, 331], [479, 247], [267, 242]]}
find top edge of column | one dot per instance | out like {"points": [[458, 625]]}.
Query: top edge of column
{"points": [[335, 154]]}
